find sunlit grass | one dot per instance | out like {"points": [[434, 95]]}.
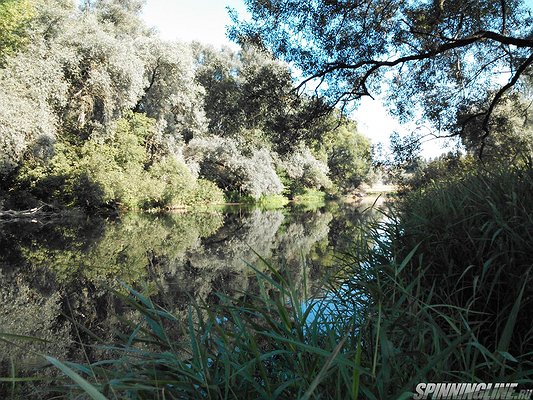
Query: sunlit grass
{"points": [[310, 199]]}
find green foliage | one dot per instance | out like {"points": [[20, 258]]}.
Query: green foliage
{"points": [[304, 170], [437, 57], [511, 130], [15, 16], [117, 171], [171, 95], [120, 167], [222, 160], [271, 202], [249, 98], [97, 111], [122, 180], [441, 168], [248, 90], [31, 91], [205, 193], [349, 157], [176, 179], [83, 70], [311, 199], [423, 327], [473, 232]]}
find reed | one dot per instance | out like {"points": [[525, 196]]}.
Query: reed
{"points": [[436, 291]]}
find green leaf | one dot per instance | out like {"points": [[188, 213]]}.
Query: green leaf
{"points": [[82, 383], [505, 339], [356, 371]]}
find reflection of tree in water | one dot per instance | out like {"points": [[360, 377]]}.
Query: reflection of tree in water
{"points": [[238, 241], [29, 312], [125, 248], [74, 233], [295, 244], [51, 269], [174, 257], [346, 227], [222, 262], [304, 231], [31, 298]]}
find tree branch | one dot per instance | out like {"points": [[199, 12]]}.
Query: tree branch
{"points": [[451, 44], [504, 17], [498, 97]]}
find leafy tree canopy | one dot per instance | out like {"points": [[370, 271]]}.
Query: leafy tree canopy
{"points": [[453, 61], [14, 18], [96, 110]]}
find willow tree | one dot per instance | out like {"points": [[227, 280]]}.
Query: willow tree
{"points": [[245, 91], [171, 94], [452, 61], [81, 71]]}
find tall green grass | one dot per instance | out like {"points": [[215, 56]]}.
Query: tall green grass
{"points": [[439, 291], [475, 237]]}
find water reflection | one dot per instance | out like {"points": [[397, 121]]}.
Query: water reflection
{"points": [[63, 268]]}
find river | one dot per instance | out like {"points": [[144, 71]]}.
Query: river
{"points": [[56, 278]]}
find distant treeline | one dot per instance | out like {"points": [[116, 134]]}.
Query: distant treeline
{"points": [[97, 111]]}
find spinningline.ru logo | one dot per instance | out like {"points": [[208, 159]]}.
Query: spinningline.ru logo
{"points": [[459, 391]]}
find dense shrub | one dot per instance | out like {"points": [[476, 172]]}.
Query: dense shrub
{"points": [[221, 160], [205, 192], [117, 171], [176, 180], [304, 170]]}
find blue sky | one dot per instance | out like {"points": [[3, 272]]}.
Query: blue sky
{"points": [[206, 21]]}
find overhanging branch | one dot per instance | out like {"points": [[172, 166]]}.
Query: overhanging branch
{"points": [[450, 44], [497, 99]]}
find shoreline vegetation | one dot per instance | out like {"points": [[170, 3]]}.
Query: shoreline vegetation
{"points": [[182, 124], [99, 116], [402, 307], [310, 199]]}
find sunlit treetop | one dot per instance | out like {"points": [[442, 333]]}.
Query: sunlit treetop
{"points": [[14, 18], [449, 60]]}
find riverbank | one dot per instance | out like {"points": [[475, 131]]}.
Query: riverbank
{"points": [[410, 315], [369, 195], [308, 199]]}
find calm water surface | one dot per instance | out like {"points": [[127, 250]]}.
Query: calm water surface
{"points": [[56, 275]]}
